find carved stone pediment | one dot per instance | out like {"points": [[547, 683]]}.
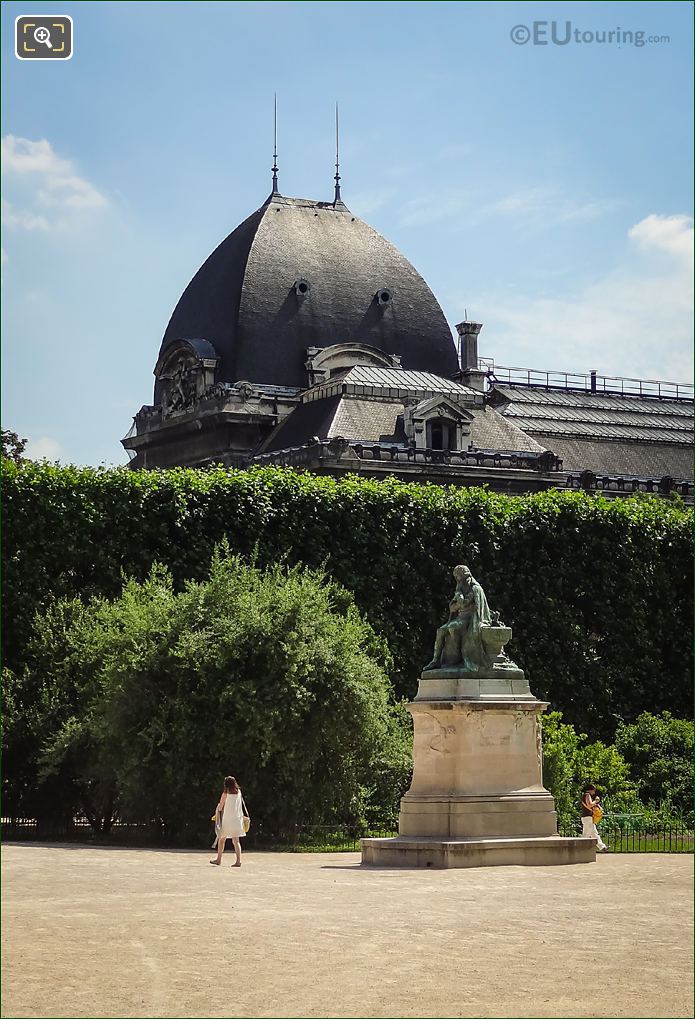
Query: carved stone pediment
{"points": [[438, 415]]}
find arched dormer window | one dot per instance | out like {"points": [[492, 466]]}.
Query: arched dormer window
{"points": [[326, 362]]}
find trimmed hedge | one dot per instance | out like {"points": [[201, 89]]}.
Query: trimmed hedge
{"points": [[598, 591]]}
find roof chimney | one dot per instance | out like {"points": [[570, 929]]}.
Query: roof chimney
{"points": [[471, 374]]}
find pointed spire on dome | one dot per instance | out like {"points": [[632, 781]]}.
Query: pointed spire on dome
{"points": [[337, 199], [275, 144]]}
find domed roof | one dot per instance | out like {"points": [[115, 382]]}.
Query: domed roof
{"points": [[299, 274]]}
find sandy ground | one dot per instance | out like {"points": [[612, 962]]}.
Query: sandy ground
{"points": [[126, 932]]}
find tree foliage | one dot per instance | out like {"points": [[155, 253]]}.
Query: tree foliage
{"points": [[659, 750], [146, 701], [12, 446], [36, 702], [570, 761], [598, 591]]}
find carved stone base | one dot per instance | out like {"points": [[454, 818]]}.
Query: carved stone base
{"points": [[528, 812], [477, 750], [477, 797], [487, 684], [404, 851]]}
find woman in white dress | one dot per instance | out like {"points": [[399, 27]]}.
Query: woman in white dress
{"points": [[232, 823]]}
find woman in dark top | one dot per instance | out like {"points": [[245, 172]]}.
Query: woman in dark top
{"points": [[590, 800]]}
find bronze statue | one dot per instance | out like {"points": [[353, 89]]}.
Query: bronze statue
{"points": [[459, 641]]}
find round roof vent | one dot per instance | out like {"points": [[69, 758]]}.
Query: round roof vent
{"points": [[301, 287], [383, 297]]}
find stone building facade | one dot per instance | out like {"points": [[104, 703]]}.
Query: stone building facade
{"points": [[307, 339]]}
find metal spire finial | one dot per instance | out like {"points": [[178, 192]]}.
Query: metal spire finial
{"points": [[337, 197], [275, 145]]}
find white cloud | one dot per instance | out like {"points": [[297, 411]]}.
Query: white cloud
{"points": [[52, 192], [21, 155], [43, 448], [532, 208], [71, 192], [518, 202], [427, 209], [366, 202], [546, 206], [22, 218], [636, 321], [673, 234]]}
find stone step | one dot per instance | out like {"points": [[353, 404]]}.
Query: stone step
{"points": [[420, 851]]}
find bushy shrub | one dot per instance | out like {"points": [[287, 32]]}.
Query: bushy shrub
{"points": [[272, 675], [659, 750], [570, 761]]}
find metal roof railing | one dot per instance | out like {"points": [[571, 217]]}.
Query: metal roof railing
{"points": [[587, 382]]}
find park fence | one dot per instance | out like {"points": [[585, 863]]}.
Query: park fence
{"points": [[631, 833], [622, 833], [299, 838]]}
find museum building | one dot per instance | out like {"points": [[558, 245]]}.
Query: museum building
{"points": [[306, 339]]}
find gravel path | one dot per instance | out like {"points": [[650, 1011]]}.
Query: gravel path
{"points": [[127, 932]]}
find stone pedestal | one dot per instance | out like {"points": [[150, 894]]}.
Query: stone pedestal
{"points": [[477, 796]]}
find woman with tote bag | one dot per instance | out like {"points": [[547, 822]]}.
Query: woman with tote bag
{"points": [[232, 820]]}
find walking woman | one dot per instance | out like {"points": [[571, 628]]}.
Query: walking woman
{"points": [[232, 820]]}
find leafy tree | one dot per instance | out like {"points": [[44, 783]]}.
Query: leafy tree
{"points": [[48, 694], [272, 675], [659, 750], [12, 446], [569, 762]]}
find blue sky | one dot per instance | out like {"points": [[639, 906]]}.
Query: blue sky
{"points": [[545, 189]]}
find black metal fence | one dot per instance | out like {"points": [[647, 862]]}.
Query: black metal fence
{"points": [[315, 839], [590, 382], [298, 839], [622, 833], [20, 829], [630, 833]]}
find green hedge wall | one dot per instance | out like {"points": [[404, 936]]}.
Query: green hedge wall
{"points": [[598, 591]]}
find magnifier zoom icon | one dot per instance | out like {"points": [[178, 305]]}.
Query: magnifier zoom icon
{"points": [[42, 35]]}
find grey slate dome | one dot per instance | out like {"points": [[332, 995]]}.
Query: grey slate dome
{"points": [[298, 274]]}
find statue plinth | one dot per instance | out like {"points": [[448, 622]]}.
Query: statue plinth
{"points": [[477, 796], [477, 768], [455, 684]]}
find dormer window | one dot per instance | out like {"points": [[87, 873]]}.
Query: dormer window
{"points": [[438, 423], [327, 362], [441, 434]]}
